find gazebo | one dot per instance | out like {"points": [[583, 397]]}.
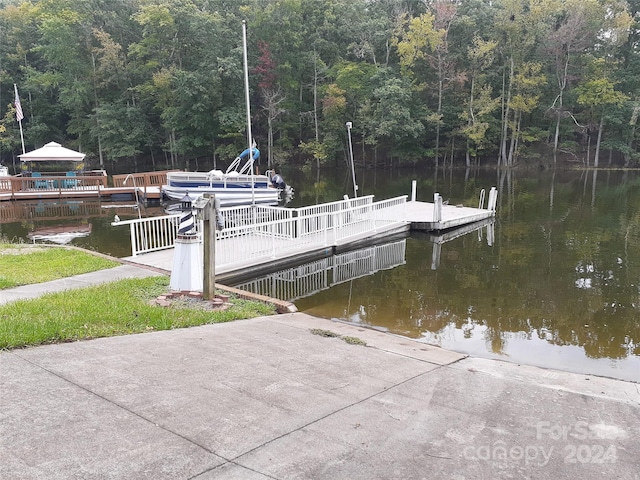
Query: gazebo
{"points": [[52, 152]]}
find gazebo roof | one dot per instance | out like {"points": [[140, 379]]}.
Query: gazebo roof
{"points": [[52, 151]]}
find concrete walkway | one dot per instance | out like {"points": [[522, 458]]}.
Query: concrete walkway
{"points": [[120, 272], [268, 399], [276, 398]]}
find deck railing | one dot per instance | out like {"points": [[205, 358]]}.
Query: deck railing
{"points": [[141, 180], [52, 183], [262, 231]]}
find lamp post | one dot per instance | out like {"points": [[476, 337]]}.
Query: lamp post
{"points": [[353, 170]]}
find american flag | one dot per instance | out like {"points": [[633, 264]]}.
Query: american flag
{"points": [[19, 114]]}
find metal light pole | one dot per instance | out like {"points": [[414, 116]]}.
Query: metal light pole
{"points": [[353, 170], [248, 107]]}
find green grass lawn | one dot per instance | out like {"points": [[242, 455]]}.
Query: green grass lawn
{"points": [[26, 264], [116, 308]]}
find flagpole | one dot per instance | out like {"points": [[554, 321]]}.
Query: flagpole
{"points": [[19, 116], [246, 93]]}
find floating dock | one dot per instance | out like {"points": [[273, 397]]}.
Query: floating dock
{"points": [[258, 239]]}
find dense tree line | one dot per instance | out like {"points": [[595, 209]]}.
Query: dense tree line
{"points": [[475, 82]]}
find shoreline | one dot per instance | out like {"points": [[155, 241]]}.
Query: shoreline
{"points": [[133, 269]]}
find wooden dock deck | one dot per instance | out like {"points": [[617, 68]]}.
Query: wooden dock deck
{"points": [[129, 193], [142, 186]]}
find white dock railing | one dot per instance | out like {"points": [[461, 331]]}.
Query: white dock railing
{"points": [[264, 231]]}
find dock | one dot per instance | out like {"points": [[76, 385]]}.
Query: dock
{"points": [[144, 187], [421, 216], [258, 239], [111, 193]]}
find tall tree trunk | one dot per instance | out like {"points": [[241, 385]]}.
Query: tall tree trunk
{"points": [[506, 112], [509, 159], [172, 149], [440, 89], [153, 158], [562, 84], [467, 157], [315, 100], [269, 141], [471, 119], [596, 157], [556, 138], [632, 135], [513, 156]]}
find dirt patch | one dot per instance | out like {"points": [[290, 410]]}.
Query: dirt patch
{"points": [[192, 300], [13, 250]]}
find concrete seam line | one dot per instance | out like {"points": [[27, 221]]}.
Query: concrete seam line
{"points": [[232, 463], [102, 397], [362, 400]]}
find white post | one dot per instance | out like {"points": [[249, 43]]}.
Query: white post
{"points": [[134, 240], [493, 198], [353, 171], [413, 190], [437, 207], [246, 98]]}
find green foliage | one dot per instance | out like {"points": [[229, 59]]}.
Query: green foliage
{"points": [[599, 92], [316, 149], [128, 79]]}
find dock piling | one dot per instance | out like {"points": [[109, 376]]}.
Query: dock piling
{"points": [[437, 207]]}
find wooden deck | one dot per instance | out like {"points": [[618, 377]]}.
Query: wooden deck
{"points": [[129, 193], [144, 186]]}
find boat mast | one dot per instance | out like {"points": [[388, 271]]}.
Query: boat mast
{"points": [[246, 94]]}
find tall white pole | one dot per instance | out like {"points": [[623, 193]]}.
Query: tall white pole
{"points": [[246, 94], [353, 170]]}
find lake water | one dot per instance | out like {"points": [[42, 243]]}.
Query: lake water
{"points": [[553, 282]]}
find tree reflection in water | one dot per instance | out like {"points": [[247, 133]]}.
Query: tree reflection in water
{"points": [[563, 271]]}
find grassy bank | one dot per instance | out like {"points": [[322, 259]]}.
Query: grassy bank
{"points": [[28, 264], [117, 308]]}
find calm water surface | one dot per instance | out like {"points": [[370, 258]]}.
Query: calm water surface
{"points": [[554, 281]]}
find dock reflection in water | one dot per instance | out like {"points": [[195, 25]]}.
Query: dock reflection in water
{"points": [[308, 279], [305, 280]]}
